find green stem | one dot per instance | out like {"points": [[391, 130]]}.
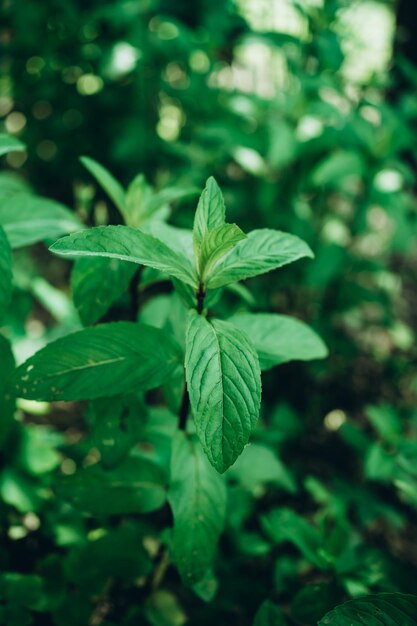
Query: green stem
{"points": [[185, 401]]}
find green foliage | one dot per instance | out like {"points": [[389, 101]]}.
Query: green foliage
{"points": [[144, 479]]}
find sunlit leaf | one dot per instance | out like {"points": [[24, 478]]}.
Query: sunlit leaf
{"points": [[262, 251], [127, 244]]}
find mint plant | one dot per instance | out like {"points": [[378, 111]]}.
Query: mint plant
{"points": [[208, 368]]}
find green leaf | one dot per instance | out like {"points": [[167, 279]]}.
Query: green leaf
{"points": [[259, 465], [383, 609], [127, 244], [10, 144], [105, 360], [136, 486], [262, 251], [197, 496], [107, 182], [27, 219], [210, 213], [224, 383], [269, 615], [285, 525], [280, 338], [216, 244], [6, 275], [97, 283]]}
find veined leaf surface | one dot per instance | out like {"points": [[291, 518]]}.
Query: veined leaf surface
{"points": [[224, 383], [280, 338], [97, 362], [262, 251], [216, 244], [127, 244], [383, 609], [210, 213]]}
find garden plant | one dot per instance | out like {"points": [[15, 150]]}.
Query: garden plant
{"points": [[207, 314]]}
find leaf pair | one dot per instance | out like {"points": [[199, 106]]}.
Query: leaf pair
{"points": [[223, 373], [223, 253]]}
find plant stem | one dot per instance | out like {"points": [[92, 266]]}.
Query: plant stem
{"points": [[201, 294], [185, 401], [184, 408]]}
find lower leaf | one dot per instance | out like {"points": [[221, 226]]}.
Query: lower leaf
{"points": [[197, 496]]}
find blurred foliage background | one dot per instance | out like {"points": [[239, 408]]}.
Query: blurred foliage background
{"points": [[305, 112]]}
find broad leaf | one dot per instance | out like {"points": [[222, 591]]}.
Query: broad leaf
{"points": [[216, 244], [262, 251], [269, 615], [279, 338], [210, 213], [28, 219], [107, 181], [97, 283], [224, 383], [5, 273], [97, 362], [197, 496], [383, 609], [127, 244], [136, 486], [10, 144]]}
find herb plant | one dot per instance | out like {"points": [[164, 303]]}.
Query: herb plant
{"points": [[122, 360], [144, 479]]}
